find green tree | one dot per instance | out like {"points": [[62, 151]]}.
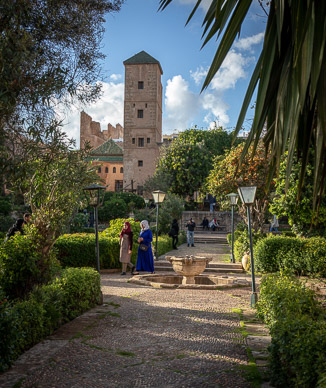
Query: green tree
{"points": [[301, 215], [188, 160], [49, 54], [172, 207], [52, 183], [289, 75]]}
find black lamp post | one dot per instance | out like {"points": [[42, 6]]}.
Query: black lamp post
{"points": [[247, 195], [233, 199], [94, 193], [158, 197]]}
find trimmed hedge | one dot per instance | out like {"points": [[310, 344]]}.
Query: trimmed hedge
{"points": [[298, 329], [25, 323], [303, 256], [78, 250]]}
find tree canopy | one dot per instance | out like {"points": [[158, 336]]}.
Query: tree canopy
{"points": [[289, 76], [187, 161], [49, 54]]}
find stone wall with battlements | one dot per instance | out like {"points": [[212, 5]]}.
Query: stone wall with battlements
{"points": [[90, 131]]}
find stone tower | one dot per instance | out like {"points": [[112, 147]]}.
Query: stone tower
{"points": [[142, 119]]}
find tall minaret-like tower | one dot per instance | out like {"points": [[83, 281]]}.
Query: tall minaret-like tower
{"points": [[142, 119]]}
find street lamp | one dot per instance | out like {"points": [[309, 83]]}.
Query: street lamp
{"points": [[94, 193], [234, 200], [158, 197], [247, 195]]}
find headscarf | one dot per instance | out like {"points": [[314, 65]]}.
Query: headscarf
{"points": [[128, 230], [145, 225]]}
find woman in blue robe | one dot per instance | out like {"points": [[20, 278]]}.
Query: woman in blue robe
{"points": [[145, 259]]}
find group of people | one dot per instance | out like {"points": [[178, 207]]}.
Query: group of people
{"points": [[213, 225], [145, 259], [18, 227]]}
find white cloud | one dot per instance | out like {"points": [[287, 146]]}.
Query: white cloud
{"points": [[115, 77], [247, 43], [108, 109], [232, 69], [216, 109], [181, 105], [199, 74]]}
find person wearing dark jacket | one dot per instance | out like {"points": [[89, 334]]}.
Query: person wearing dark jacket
{"points": [[174, 233], [16, 228], [190, 232]]}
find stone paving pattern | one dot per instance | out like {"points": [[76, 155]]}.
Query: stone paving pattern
{"points": [[144, 337]]}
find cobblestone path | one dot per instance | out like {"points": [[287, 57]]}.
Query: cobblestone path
{"points": [[147, 337]]}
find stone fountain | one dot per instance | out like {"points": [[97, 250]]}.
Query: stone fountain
{"points": [[188, 267]]}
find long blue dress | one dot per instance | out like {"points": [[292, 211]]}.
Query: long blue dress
{"points": [[145, 260]]}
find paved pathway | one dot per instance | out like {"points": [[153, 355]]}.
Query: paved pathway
{"points": [[144, 337]]}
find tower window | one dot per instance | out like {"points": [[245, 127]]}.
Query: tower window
{"points": [[145, 105], [106, 169], [140, 113], [133, 140], [140, 84], [148, 140], [140, 163], [121, 170], [114, 170], [141, 142], [99, 170]]}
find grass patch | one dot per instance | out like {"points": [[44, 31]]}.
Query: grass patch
{"points": [[180, 356], [115, 305], [125, 353]]}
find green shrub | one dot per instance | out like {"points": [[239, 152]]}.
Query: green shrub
{"points": [[78, 250], [25, 323], [241, 244], [282, 294], [297, 352], [81, 290], [315, 255], [276, 252], [22, 266], [298, 329], [115, 208]]}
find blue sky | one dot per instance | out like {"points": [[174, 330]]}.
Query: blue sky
{"points": [[138, 26]]}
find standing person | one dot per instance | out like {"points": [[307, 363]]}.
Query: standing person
{"points": [[212, 202], [126, 240], [274, 224], [174, 233], [145, 259], [16, 228], [190, 232]]}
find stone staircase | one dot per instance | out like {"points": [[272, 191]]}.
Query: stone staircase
{"points": [[164, 265], [210, 238]]}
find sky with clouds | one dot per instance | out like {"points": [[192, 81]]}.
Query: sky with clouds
{"points": [[163, 35]]}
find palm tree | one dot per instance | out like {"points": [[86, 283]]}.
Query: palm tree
{"points": [[289, 75]]}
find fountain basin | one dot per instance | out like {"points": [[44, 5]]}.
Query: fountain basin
{"points": [[188, 267], [202, 282]]}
